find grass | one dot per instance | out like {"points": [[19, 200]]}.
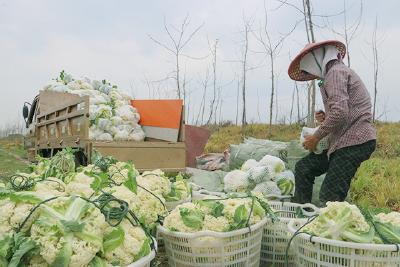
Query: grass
{"points": [[222, 137], [12, 155], [377, 184]]}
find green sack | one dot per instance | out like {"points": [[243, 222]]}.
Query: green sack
{"points": [[253, 148], [210, 180]]}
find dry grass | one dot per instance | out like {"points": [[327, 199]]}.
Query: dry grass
{"points": [[222, 137]]}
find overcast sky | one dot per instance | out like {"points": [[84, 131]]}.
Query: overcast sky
{"points": [[110, 40]]}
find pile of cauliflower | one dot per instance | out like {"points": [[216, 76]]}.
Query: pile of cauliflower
{"points": [[65, 221], [112, 116], [267, 176], [345, 222], [216, 215]]}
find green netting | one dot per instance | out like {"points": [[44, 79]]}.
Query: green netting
{"points": [[295, 152], [253, 148], [210, 180]]}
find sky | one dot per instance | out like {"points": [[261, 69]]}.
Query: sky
{"points": [[111, 40]]}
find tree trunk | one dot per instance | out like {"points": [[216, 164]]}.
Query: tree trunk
{"points": [[214, 64], [271, 104], [178, 85]]}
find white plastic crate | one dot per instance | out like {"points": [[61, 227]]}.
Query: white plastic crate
{"points": [[207, 248], [312, 251], [276, 236], [145, 261]]}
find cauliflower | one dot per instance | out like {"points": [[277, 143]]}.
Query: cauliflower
{"points": [[392, 217], [259, 174], [17, 206], [215, 215], [185, 218], [267, 188], [121, 172], [388, 227], [180, 190], [248, 164], [149, 207], [125, 244], [219, 224], [123, 193], [69, 232], [285, 181], [50, 187], [236, 181], [231, 210], [37, 261], [80, 185], [341, 221], [274, 164], [155, 181], [7, 210]]}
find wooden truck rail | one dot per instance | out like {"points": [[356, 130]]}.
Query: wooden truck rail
{"points": [[62, 120]]}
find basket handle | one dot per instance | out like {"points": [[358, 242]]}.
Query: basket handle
{"points": [[295, 224], [314, 209]]}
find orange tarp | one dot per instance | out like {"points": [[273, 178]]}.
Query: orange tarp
{"points": [[159, 113]]}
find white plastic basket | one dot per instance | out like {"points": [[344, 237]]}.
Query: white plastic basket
{"points": [[170, 205], [312, 251], [145, 261], [207, 248], [276, 235]]}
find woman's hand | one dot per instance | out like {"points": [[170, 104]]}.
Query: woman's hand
{"points": [[310, 143], [320, 116]]}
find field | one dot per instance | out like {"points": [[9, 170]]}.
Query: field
{"points": [[377, 182]]}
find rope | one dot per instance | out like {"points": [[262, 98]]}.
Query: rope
{"points": [[298, 231]]}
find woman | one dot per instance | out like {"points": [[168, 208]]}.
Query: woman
{"points": [[347, 121]]}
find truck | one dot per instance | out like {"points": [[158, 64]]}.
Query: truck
{"points": [[56, 120]]}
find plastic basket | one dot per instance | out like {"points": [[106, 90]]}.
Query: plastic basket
{"points": [[276, 236], [145, 261], [170, 205], [312, 251], [207, 248]]}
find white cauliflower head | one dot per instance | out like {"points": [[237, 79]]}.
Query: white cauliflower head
{"points": [[125, 244], [236, 181], [70, 230], [80, 185], [155, 181]]}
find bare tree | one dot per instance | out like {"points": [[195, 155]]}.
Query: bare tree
{"points": [[178, 40], [204, 84], [311, 38], [271, 50], [292, 107], [349, 31], [298, 102], [213, 50], [376, 65], [237, 102], [244, 62]]}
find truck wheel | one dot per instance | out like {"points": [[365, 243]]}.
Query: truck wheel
{"points": [[80, 159]]}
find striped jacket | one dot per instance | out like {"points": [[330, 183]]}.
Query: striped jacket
{"points": [[348, 118]]}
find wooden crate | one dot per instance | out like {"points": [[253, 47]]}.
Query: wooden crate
{"points": [[148, 155]]}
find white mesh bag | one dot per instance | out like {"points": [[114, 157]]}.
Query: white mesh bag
{"points": [[322, 145]]}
